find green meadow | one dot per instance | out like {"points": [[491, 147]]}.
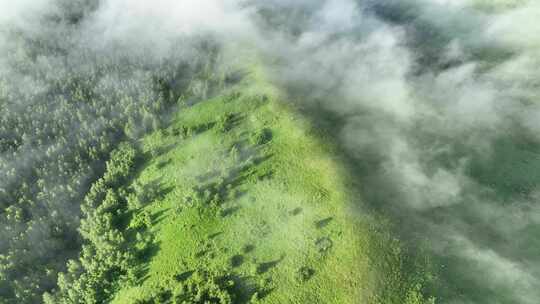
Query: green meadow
{"points": [[246, 193]]}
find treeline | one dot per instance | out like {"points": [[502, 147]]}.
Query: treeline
{"points": [[105, 257], [63, 108]]}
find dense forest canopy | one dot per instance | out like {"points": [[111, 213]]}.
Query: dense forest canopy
{"points": [[435, 102], [64, 105]]}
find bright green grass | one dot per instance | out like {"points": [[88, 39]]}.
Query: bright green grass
{"points": [[290, 209]]}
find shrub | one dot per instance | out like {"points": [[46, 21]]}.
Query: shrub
{"points": [[225, 123], [208, 287], [261, 137], [415, 296], [120, 165], [304, 274], [324, 244], [141, 220], [143, 241], [133, 201]]}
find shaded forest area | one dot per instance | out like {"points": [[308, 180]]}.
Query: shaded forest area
{"points": [[64, 106]]}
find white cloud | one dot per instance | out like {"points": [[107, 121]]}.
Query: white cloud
{"points": [[21, 11]]}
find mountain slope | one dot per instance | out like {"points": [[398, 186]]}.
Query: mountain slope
{"points": [[240, 189]]}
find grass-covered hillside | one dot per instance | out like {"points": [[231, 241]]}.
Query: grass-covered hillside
{"points": [[239, 200]]}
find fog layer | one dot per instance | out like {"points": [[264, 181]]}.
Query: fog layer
{"points": [[435, 102]]}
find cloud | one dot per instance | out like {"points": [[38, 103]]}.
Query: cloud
{"points": [[436, 102], [20, 12], [157, 25]]}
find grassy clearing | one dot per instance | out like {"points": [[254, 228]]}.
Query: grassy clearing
{"points": [[241, 185]]}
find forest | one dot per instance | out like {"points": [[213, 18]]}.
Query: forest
{"points": [[63, 109], [250, 151]]}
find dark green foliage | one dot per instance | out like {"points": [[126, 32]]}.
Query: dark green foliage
{"points": [[415, 295], [208, 286], [163, 163], [248, 248], [232, 96], [223, 185], [324, 244], [145, 194], [261, 268], [63, 108], [183, 132], [225, 123], [121, 164], [261, 137], [304, 273], [105, 257], [143, 242], [237, 260], [141, 220], [198, 287]]}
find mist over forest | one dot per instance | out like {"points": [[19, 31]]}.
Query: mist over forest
{"points": [[433, 103]]}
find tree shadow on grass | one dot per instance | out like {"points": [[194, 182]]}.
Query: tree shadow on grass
{"points": [[156, 152], [240, 288], [266, 266], [201, 128], [227, 185], [144, 257], [159, 216], [164, 163], [245, 289], [323, 223], [510, 175], [155, 190], [184, 275], [229, 211], [237, 260]]}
